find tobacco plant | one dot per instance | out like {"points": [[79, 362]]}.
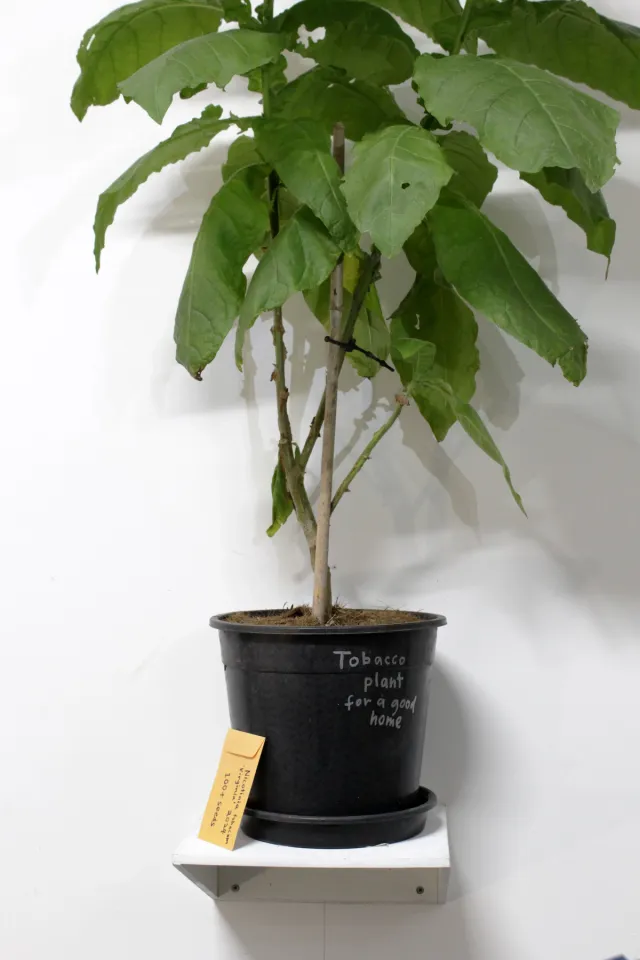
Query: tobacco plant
{"points": [[500, 88]]}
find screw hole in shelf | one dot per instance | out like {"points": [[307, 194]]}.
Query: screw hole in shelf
{"points": [[420, 890], [235, 887]]}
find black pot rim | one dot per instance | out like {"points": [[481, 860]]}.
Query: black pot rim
{"points": [[424, 620], [426, 800]]}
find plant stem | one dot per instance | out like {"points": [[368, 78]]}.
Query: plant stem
{"points": [[365, 280], [322, 580], [293, 474], [464, 25], [366, 453]]}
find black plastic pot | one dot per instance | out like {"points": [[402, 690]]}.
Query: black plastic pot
{"points": [[343, 710]]}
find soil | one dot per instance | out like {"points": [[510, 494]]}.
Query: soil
{"points": [[341, 617]]}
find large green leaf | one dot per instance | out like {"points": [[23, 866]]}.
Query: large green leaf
{"points": [[370, 332], [214, 58], [434, 313], [567, 189], [487, 270], [523, 115], [363, 40], [299, 151], [569, 38], [329, 96], [132, 36], [301, 256], [395, 178], [474, 175], [186, 139], [215, 285]]}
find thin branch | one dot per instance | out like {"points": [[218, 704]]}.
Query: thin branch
{"points": [[401, 402], [322, 581], [294, 476], [366, 278]]}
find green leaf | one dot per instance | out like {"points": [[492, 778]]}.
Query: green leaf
{"points": [[186, 139], [370, 332], [215, 285], [395, 178], [474, 175], [329, 96], [487, 270], [570, 39], [282, 504], [238, 11], [420, 250], [130, 37], [214, 58], [437, 18], [523, 115], [359, 38], [432, 312], [299, 152], [301, 256], [471, 422], [431, 393], [567, 189]]}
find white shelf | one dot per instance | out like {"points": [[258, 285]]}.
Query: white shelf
{"points": [[414, 871]]}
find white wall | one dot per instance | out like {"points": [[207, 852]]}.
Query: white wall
{"points": [[134, 504]]}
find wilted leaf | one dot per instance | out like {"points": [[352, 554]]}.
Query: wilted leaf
{"points": [[370, 332], [474, 175], [299, 152], [301, 256], [487, 270], [434, 313], [132, 36], [329, 96], [417, 360], [395, 177], [570, 39], [523, 115], [214, 288], [281, 502], [186, 139], [214, 58], [567, 189], [363, 40]]}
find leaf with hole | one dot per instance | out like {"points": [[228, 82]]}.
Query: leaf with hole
{"points": [[329, 96], [474, 175], [395, 177], [434, 313], [523, 115], [299, 151], [301, 256], [370, 331], [215, 285], [569, 38], [214, 58], [567, 189], [487, 270], [361, 39], [185, 139], [129, 38]]}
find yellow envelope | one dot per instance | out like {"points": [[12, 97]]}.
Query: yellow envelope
{"points": [[230, 792]]}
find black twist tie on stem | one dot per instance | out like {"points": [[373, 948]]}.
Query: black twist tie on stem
{"points": [[350, 345]]}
